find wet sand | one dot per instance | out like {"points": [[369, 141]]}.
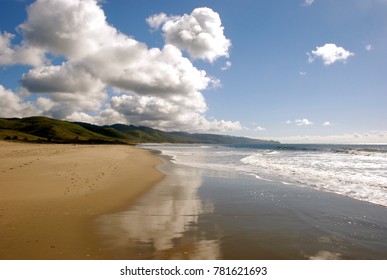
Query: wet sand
{"points": [[51, 195], [203, 214]]}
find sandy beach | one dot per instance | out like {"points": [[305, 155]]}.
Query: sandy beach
{"points": [[109, 202], [50, 196]]}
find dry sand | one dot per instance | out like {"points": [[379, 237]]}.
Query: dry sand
{"points": [[50, 196]]}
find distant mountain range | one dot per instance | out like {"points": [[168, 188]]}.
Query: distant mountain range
{"points": [[48, 130]]}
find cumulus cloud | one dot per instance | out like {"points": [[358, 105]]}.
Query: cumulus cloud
{"points": [[18, 54], [69, 87], [201, 33], [301, 122], [157, 20], [12, 104], [61, 78], [72, 28], [175, 114], [330, 53], [106, 76], [147, 71], [327, 124], [145, 109]]}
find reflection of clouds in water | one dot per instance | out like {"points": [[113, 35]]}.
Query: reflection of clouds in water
{"points": [[163, 215], [325, 255], [208, 249]]}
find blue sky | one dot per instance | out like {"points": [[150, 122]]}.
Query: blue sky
{"points": [[295, 71]]}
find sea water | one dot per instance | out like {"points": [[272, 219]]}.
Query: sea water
{"points": [[356, 171], [257, 202]]}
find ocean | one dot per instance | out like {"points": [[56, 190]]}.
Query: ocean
{"points": [[356, 171], [257, 202]]}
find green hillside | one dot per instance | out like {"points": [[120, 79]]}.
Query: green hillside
{"points": [[44, 129]]}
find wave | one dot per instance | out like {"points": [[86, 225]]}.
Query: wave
{"points": [[352, 170], [351, 174], [334, 148]]}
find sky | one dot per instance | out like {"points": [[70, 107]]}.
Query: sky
{"points": [[297, 71]]}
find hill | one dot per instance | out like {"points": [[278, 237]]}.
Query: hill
{"points": [[44, 129]]}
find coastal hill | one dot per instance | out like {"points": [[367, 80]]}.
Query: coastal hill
{"points": [[48, 130]]}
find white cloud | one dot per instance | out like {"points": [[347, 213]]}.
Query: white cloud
{"points": [[69, 87], [145, 71], [19, 54], [260, 128], [301, 122], [175, 114], [156, 21], [369, 47], [302, 73], [226, 66], [83, 117], [72, 28], [12, 105], [330, 53], [308, 2], [200, 33], [106, 76], [67, 77], [327, 124]]}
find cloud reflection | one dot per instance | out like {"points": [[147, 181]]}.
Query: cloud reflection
{"points": [[164, 219]]}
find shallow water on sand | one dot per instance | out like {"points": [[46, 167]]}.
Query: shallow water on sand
{"points": [[202, 214], [356, 171]]}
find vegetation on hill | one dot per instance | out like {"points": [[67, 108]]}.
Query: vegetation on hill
{"points": [[44, 129]]}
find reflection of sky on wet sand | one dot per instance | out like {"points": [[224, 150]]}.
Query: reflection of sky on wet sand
{"points": [[205, 214], [157, 225]]}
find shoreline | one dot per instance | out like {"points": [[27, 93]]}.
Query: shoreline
{"points": [[202, 213], [112, 202], [51, 195]]}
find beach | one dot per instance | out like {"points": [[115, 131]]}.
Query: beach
{"points": [[172, 202], [50, 196], [208, 207]]}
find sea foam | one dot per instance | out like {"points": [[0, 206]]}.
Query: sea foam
{"points": [[359, 172]]}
